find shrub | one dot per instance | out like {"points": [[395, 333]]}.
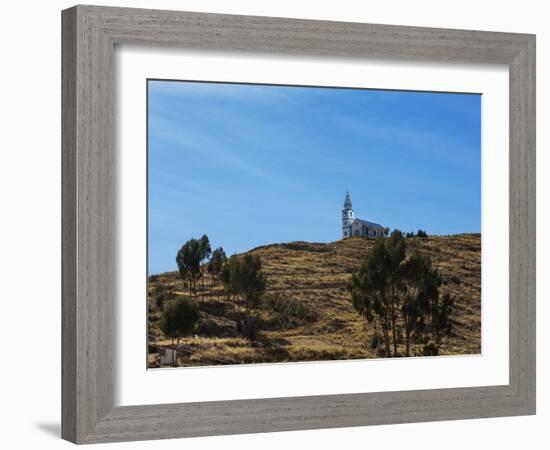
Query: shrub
{"points": [[179, 319], [422, 234], [456, 279], [161, 293], [159, 303], [430, 349], [375, 341], [251, 327]]}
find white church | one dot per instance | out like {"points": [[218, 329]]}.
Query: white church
{"points": [[357, 227]]}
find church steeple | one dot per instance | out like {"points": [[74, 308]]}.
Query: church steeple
{"points": [[347, 201], [348, 217]]}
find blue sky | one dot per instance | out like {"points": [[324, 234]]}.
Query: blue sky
{"points": [[252, 165]]}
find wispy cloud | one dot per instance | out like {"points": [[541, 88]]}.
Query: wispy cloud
{"points": [[430, 143], [216, 149]]}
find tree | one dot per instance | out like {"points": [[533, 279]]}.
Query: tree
{"points": [[420, 289], [372, 289], [399, 291], [179, 319], [252, 283], [205, 252], [225, 276], [216, 263], [188, 260], [422, 234], [442, 312], [243, 276], [396, 251]]}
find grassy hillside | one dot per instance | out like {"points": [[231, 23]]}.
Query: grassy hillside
{"points": [[307, 313]]}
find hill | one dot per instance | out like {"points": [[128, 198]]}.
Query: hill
{"points": [[306, 313]]}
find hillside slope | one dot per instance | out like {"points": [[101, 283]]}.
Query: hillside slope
{"points": [[307, 314]]}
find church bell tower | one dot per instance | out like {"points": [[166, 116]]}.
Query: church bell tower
{"points": [[348, 217]]}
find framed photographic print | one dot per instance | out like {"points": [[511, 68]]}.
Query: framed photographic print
{"points": [[279, 224]]}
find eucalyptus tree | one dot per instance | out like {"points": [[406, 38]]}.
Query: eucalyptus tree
{"points": [[229, 281], [243, 277], [252, 282], [442, 317], [399, 290], [420, 293], [188, 259], [370, 290], [178, 320], [396, 248], [216, 263], [205, 251]]}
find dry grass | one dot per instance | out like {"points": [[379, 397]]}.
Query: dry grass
{"points": [[315, 276]]}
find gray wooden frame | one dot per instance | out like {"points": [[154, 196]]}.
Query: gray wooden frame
{"points": [[89, 36]]}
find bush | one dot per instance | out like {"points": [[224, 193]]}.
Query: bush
{"points": [[250, 329], [375, 341], [161, 293], [456, 279], [159, 303], [179, 319], [430, 349], [419, 233]]}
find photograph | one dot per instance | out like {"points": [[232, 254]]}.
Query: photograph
{"points": [[311, 223]]}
